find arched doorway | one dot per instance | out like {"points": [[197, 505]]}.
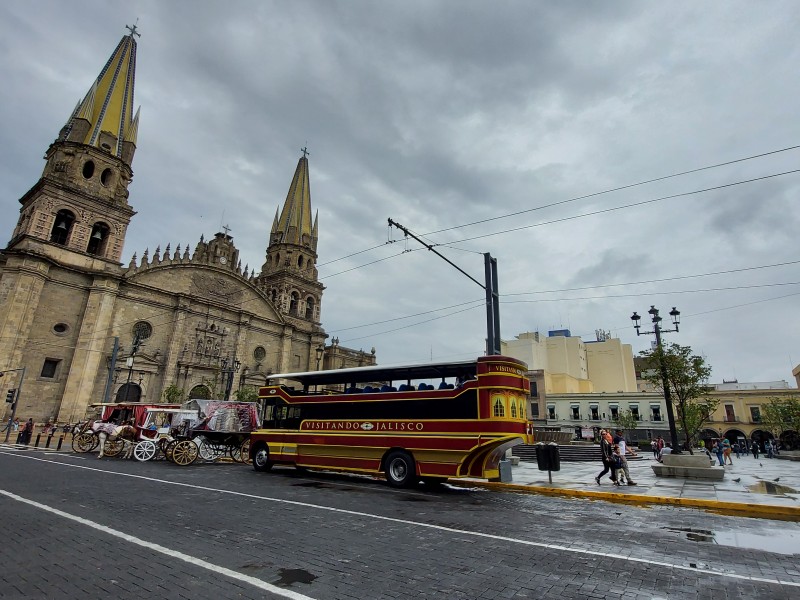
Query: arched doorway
{"points": [[200, 392], [707, 436], [129, 392], [734, 435], [759, 435]]}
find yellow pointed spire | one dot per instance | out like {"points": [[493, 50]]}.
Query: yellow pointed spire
{"points": [[105, 116], [295, 224]]}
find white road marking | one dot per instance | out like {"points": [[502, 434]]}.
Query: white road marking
{"points": [[216, 569], [432, 526]]}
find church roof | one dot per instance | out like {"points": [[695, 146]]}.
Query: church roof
{"points": [[108, 105], [295, 219]]}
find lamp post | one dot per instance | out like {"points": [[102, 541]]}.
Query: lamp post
{"points": [[129, 364], [320, 352], [657, 331], [229, 371]]}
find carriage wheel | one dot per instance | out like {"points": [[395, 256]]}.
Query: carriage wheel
{"points": [[184, 453], [144, 450], [169, 449], [206, 450], [83, 442], [113, 447], [161, 446], [244, 452]]}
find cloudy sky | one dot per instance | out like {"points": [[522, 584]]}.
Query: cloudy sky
{"points": [[500, 127]]}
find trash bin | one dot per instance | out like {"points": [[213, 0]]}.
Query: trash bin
{"points": [[505, 471], [548, 458]]}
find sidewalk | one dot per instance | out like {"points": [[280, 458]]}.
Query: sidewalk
{"points": [[753, 487]]}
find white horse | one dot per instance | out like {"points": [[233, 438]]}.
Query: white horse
{"points": [[109, 431]]}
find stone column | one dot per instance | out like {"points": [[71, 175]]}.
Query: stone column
{"points": [[92, 346]]}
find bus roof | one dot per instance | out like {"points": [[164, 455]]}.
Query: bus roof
{"points": [[381, 373]]}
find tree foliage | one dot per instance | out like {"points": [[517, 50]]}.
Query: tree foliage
{"points": [[246, 394], [173, 394], [686, 376], [626, 421], [782, 414]]}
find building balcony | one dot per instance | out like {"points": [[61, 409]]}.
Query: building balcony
{"points": [[656, 418], [729, 419], [756, 421]]}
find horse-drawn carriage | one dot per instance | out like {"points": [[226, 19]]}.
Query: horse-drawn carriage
{"points": [[209, 429], [117, 427], [220, 429]]}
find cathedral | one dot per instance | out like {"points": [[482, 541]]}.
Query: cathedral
{"points": [[182, 322]]}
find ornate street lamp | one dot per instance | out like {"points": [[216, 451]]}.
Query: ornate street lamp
{"points": [[656, 319]]}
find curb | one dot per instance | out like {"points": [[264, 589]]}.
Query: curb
{"points": [[762, 511]]}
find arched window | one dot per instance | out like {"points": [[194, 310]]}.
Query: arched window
{"points": [[513, 409], [129, 392], [97, 240], [200, 392], [294, 304], [310, 307], [273, 295], [62, 227], [498, 406], [299, 262]]}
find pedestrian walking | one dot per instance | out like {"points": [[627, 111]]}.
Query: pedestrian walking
{"points": [[718, 450], [654, 447], [754, 449], [27, 432], [619, 440], [606, 455], [726, 452], [737, 449], [768, 448]]}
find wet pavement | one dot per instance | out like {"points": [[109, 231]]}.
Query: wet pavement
{"points": [[748, 482]]}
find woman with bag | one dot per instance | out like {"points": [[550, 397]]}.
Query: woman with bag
{"points": [[607, 457]]}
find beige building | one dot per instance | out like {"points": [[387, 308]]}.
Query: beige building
{"points": [[571, 366], [580, 387], [85, 328]]}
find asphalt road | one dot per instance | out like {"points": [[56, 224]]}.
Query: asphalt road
{"points": [[82, 528]]}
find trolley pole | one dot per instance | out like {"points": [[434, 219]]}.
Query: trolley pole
{"points": [[490, 286]]}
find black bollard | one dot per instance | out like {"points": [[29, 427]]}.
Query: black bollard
{"points": [[60, 441], [47, 443], [38, 437]]}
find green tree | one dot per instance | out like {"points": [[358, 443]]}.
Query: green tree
{"points": [[626, 421], [782, 414], [173, 394], [247, 394], [687, 378]]}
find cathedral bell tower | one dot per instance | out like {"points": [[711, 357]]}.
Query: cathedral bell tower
{"points": [[289, 274], [78, 211]]}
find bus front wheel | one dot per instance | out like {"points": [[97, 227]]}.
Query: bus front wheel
{"points": [[261, 461], [400, 469]]}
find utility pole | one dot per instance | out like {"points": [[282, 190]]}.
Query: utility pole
{"points": [[490, 286]]}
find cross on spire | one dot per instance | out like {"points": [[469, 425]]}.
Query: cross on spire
{"points": [[305, 151], [133, 29], [226, 229]]}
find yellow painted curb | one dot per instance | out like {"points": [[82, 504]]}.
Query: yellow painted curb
{"points": [[730, 508]]}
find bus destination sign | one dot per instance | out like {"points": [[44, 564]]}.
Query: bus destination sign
{"points": [[362, 425]]}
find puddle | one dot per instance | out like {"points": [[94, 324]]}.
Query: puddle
{"points": [[781, 542], [768, 487], [290, 576]]}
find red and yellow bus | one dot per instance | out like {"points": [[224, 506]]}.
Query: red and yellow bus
{"points": [[388, 420]]}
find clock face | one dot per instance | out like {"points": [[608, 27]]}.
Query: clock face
{"points": [[222, 260]]}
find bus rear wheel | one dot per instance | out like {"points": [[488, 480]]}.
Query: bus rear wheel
{"points": [[400, 469], [261, 461]]}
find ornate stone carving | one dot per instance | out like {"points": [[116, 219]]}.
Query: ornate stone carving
{"points": [[215, 288]]}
